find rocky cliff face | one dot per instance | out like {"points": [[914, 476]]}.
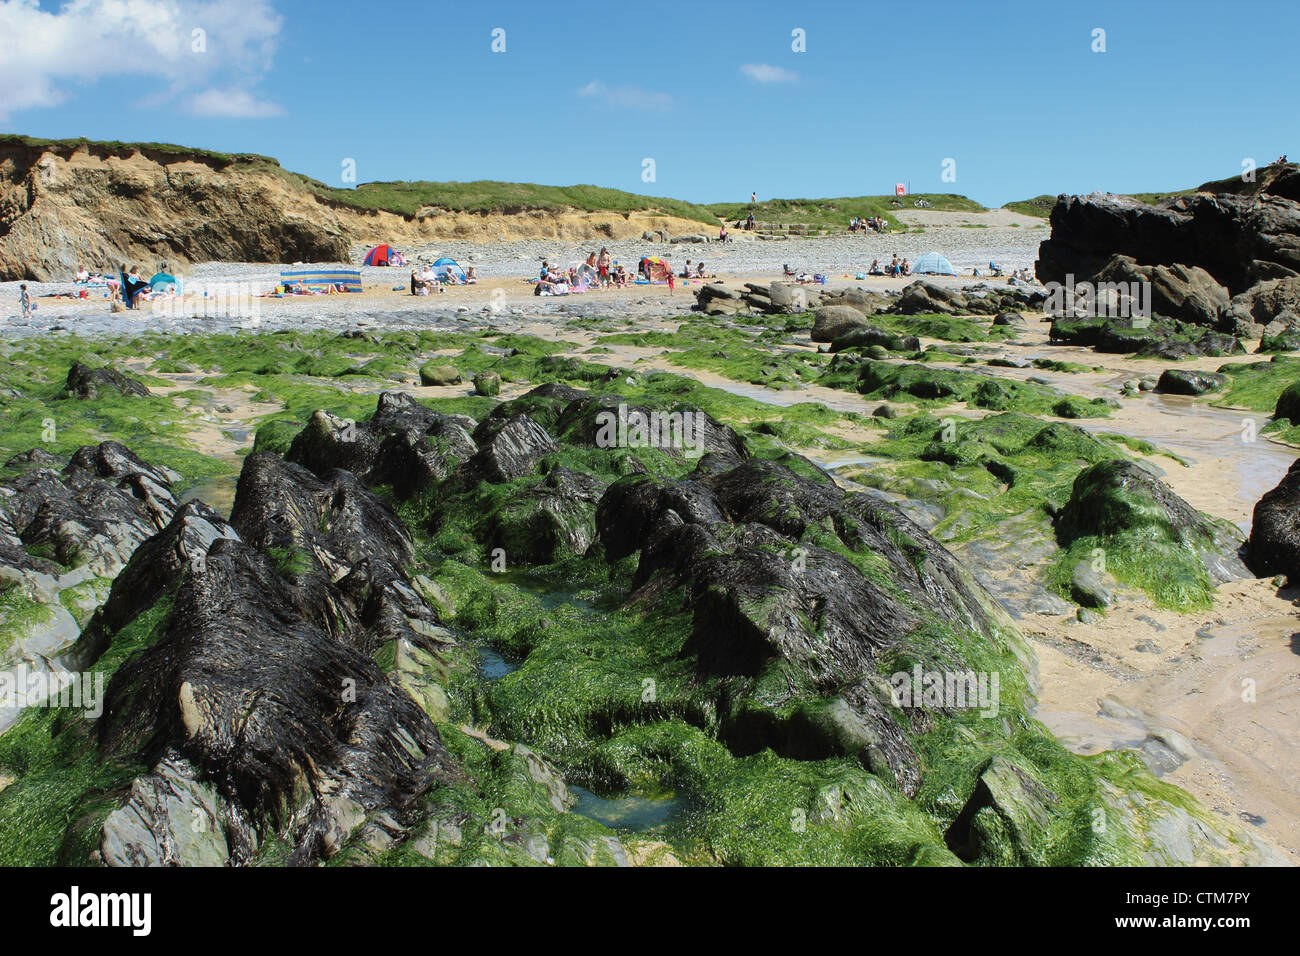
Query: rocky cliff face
{"points": [[65, 206], [97, 205], [1226, 257]]}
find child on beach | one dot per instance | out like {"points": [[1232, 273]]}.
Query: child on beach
{"points": [[25, 302]]}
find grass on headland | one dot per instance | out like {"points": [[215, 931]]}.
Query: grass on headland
{"points": [[835, 214]]}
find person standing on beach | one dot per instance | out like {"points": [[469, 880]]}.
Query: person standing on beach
{"points": [[602, 266], [25, 302]]}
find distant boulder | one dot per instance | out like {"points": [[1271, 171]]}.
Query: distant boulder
{"points": [[85, 382]]}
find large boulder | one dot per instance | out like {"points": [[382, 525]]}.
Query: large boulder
{"points": [[764, 603], [832, 321], [295, 731], [865, 336], [1188, 293], [1265, 302], [923, 297], [1274, 545], [341, 548], [1123, 507], [1182, 381], [507, 450]]}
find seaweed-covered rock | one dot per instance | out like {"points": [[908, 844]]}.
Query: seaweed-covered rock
{"points": [[1274, 545], [867, 335], [438, 373], [1181, 381], [341, 549], [403, 444], [106, 502], [171, 818], [764, 597], [155, 568], [1288, 404], [87, 382], [487, 383], [554, 519], [680, 431], [1006, 818], [292, 730], [507, 450], [1124, 508]]}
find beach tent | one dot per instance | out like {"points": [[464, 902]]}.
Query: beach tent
{"points": [[162, 282], [933, 264], [445, 265], [349, 279], [659, 268], [383, 256]]}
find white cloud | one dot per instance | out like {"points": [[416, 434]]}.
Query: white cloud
{"points": [[764, 73], [231, 104], [625, 97], [45, 53]]}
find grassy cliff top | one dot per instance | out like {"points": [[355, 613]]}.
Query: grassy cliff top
{"points": [[487, 196], [836, 213]]}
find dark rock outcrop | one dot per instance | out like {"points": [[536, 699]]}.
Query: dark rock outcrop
{"points": [[340, 548], [106, 502], [1239, 240], [403, 444], [289, 724], [85, 382]]}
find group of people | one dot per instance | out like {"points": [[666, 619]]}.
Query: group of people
{"points": [[597, 271], [430, 280], [896, 267], [872, 223], [697, 272]]}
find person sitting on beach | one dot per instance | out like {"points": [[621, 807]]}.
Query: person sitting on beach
{"points": [[875, 269], [994, 269], [893, 266], [905, 269], [686, 270], [423, 283], [749, 222], [471, 277], [82, 274], [132, 286], [700, 273], [722, 233]]}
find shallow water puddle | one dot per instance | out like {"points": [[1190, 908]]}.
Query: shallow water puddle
{"points": [[219, 494], [492, 665], [629, 812]]}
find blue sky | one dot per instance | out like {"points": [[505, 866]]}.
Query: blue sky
{"points": [[713, 93]]}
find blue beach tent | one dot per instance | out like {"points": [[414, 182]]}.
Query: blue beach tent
{"points": [[931, 263]]}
